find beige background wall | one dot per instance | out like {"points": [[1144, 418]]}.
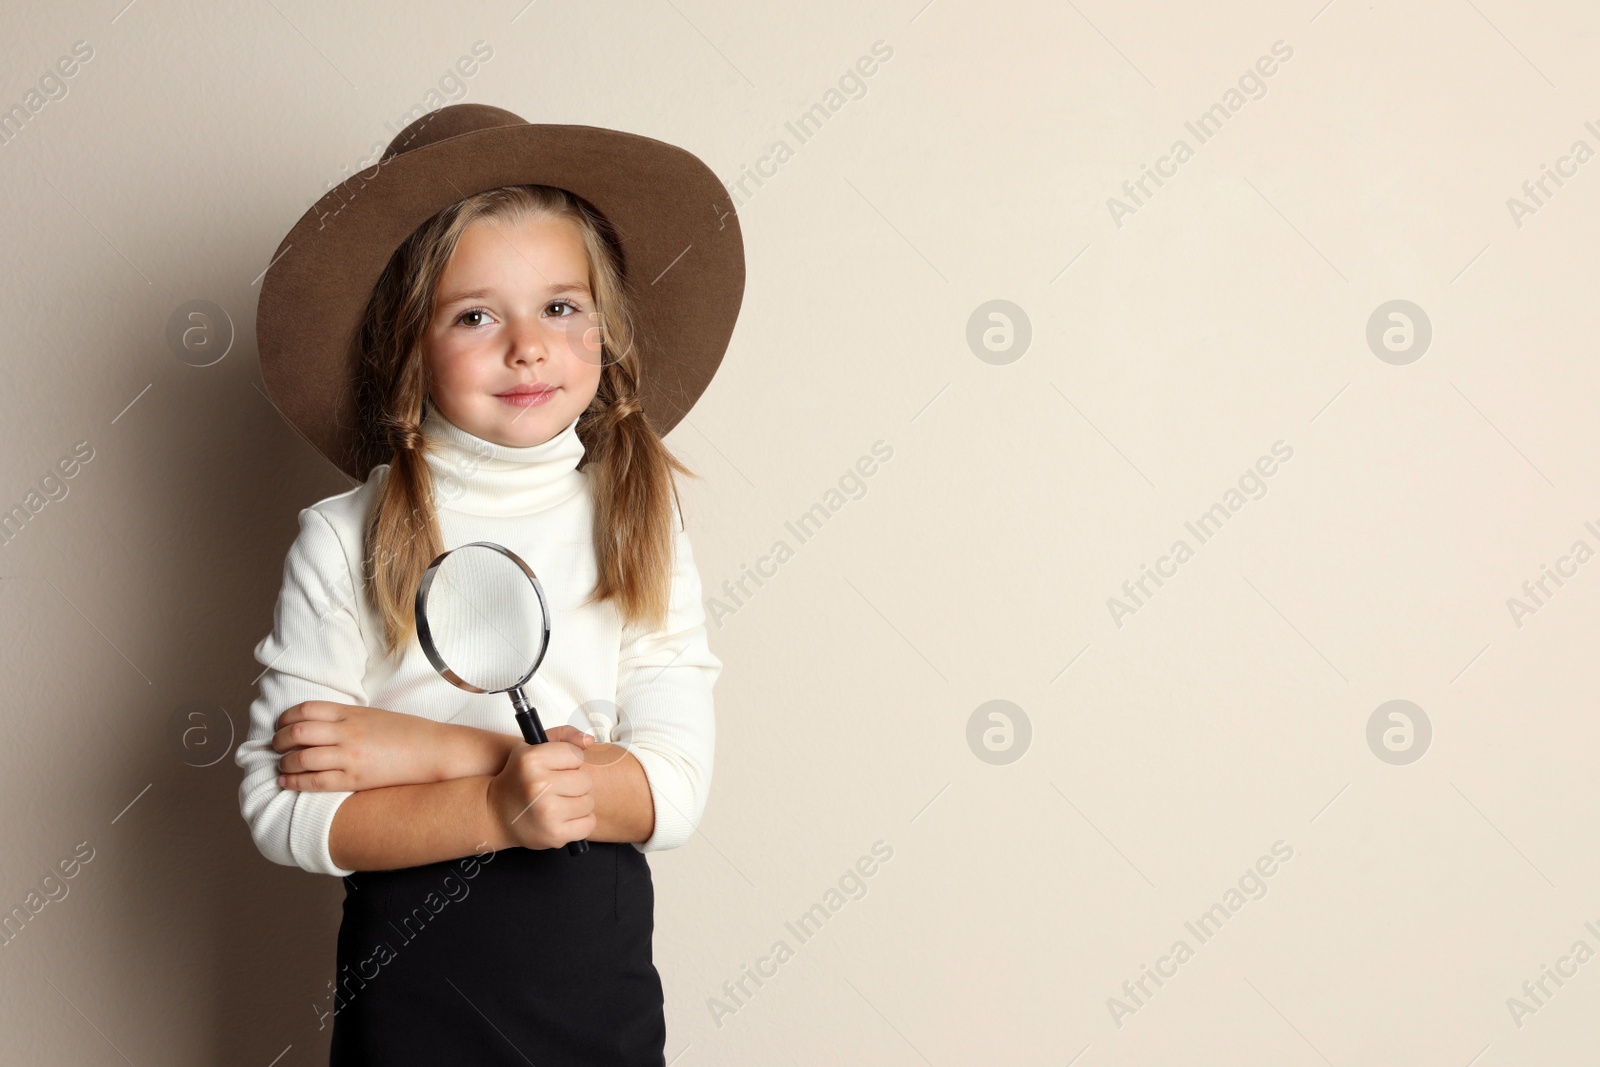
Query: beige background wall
{"points": [[1161, 759]]}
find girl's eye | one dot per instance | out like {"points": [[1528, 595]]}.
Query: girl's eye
{"points": [[571, 309]]}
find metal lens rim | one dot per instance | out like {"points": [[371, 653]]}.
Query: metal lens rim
{"points": [[425, 635]]}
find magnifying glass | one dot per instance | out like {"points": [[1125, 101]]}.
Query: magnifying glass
{"points": [[483, 622]]}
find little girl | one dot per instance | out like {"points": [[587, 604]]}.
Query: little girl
{"points": [[497, 371]]}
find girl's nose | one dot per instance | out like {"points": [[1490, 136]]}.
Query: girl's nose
{"points": [[527, 343]]}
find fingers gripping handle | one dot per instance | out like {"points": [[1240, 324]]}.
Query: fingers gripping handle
{"points": [[533, 733]]}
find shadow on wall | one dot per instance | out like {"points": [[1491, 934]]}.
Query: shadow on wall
{"points": [[130, 607], [274, 949]]}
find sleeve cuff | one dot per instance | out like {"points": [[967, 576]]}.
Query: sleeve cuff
{"points": [[674, 800], [310, 823]]}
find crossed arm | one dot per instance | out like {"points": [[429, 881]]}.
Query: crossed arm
{"points": [[421, 788]]}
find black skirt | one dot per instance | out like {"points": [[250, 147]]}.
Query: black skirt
{"points": [[514, 957]]}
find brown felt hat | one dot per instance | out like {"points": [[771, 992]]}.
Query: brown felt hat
{"points": [[682, 249]]}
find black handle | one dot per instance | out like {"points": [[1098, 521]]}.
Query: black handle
{"points": [[533, 733]]}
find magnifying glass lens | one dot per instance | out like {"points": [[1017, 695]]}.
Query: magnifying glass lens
{"points": [[484, 618]]}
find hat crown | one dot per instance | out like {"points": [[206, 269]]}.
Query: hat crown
{"points": [[450, 121]]}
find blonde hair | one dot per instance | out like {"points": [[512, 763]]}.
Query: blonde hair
{"points": [[629, 467]]}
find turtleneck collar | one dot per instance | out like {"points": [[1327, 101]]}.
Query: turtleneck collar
{"points": [[479, 477]]}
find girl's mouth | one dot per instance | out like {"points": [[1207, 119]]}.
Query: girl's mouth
{"points": [[524, 398]]}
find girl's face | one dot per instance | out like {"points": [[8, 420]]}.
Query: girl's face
{"points": [[514, 312]]}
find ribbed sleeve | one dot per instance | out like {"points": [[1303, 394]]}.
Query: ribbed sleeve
{"points": [[315, 652], [665, 714]]}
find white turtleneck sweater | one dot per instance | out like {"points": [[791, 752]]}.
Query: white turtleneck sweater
{"points": [[647, 691]]}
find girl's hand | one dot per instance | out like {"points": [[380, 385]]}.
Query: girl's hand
{"points": [[332, 746], [543, 797], [329, 746]]}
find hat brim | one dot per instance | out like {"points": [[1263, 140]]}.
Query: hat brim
{"points": [[679, 233]]}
